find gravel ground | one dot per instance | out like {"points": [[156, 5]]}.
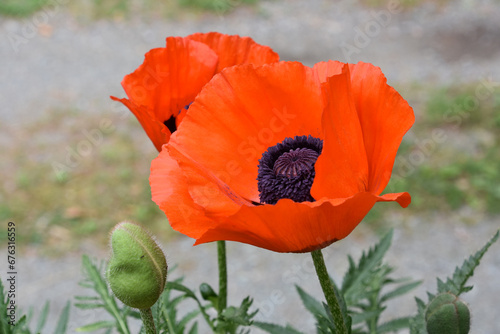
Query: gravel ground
{"points": [[64, 63]]}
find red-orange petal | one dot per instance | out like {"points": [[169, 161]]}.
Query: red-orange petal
{"points": [[171, 77], [326, 69], [384, 117], [169, 191], [235, 50], [154, 129], [206, 188], [342, 167], [294, 227], [243, 111]]}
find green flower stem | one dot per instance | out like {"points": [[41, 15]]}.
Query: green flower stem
{"points": [[328, 291], [147, 320], [221, 252]]}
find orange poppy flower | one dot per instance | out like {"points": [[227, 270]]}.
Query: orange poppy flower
{"points": [[282, 156], [161, 89]]}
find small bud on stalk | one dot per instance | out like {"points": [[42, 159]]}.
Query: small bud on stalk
{"points": [[137, 270], [446, 314]]}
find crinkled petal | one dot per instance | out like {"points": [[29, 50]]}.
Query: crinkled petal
{"points": [[171, 77], [342, 167], [295, 227], [156, 131], [384, 117], [243, 111], [235, 50], [326, 69], [206, 188], [169, 190]]}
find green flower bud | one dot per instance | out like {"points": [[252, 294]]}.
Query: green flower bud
{"points": [[207, 292], [137, 270], [446, 314]]}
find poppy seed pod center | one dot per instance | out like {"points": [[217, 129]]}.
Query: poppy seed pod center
{"points": [[286, 170]]}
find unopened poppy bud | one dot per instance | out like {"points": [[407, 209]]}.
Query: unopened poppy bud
{"points": [[446, 314], [137, 270], [207, 292]]}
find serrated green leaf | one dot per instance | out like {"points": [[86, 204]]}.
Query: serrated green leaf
{"points": [[42, 318], [358, 318], [99, 285], [401, 290], [311, 304], [394, 325], [187, 318], [182, 288], [22, 322], [63, 320], [87, 298], [5, 328], [96, 326], [276, 329], [88, 306], [356, 274], [343, 306], [417, 323], [456, 284]]}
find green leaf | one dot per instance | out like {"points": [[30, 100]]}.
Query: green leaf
{"points": [[21, 324], [87, 298], [456, 284], [182, 288], [343, 306], [311, 304], [194, 329], [401, 290], [5, 328], [88, 306], [276, 329], [356, 274], [320, 311], [394, 325], [63, 320], [187, 318], [43, 318], [417, 323], [358, 318], [96, 326], [95, 281], [232, 316]]}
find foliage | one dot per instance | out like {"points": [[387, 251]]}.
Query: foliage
{"points": [[363, 296], [21, 8], [22, 320], [117, 9], [219, 6], [455, 285], [100, 187], [165, 311]]}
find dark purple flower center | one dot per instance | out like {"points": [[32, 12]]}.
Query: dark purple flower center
{"points": [[171, 122], [286, 170]]}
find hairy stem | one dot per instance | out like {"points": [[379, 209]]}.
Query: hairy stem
{"points": [[147, 320], [328, 291]]}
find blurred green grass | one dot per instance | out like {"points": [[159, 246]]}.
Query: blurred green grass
{"points": [[451, 158], [458, 169], [107, 183], [116, 9]]}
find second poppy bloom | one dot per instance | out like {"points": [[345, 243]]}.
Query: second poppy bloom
{"points": [[162, 88], [282, 156]]}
